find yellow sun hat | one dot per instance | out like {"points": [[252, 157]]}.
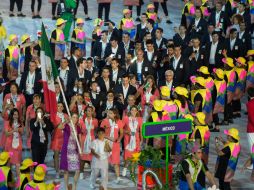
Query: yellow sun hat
{"points": [[157, 105], [165, 91], [60, 21], [12, 37], [126, 11], [189, 116], [233, 132], [4, 157], [201, 118], [241, 60], [24, 38], [28, 162], [229, 61], [219, 72], [204, 70], [80, 21], [201, 81], [40, 172], [181, 91], [150, 6], [250, 52]]}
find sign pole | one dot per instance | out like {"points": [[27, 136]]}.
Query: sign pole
{"points": [[166, 129], [167, 184]]}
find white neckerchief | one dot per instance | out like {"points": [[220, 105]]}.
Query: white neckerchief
{"points": [[15, 139], [109, 105], [14, 99], [41, 132], [61, 116], [148, 96], [80, 110], [87, 143], [133, 124], [112, 130]]}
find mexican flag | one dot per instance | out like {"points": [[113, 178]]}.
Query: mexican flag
{"points": [[49, 74]]}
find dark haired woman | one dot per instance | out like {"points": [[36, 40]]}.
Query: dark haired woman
{"points": [[148, 93], [69, 155], [13, 143], [17, 99], [114, 132], [88, 127], [40, 126]]}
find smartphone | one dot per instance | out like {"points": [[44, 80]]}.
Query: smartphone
{"points": [[39, 115], [8, 101]]}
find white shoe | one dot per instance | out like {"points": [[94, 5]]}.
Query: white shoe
{"points": [[124, 172], [92, 186], [250, 167], [118, 179], [81, 176], [57, 176]]}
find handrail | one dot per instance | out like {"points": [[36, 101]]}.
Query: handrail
{"points": [[154, 175]]}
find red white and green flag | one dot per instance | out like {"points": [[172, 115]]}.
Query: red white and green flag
{"points": [[49, 74]]}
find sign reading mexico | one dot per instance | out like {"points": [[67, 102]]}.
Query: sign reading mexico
{"points": [[166, 128]]}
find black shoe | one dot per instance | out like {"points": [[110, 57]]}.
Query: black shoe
{"points": [[38, 16], [238, 115], [169, 22], [138, 19], [230, 121], [224, 123], [215, 130], [246, 113], [34, 17], [21, 15], [54, 17], [88, 19], [11, 15]]}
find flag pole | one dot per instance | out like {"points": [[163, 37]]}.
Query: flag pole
{"points": [[69, 114]]}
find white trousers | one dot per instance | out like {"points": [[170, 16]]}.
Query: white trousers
{"points": [[250, 138], [100, 167]]}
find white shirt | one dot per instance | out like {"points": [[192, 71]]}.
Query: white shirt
{"points": [[126, 47], [232, 43], [103, 47], [158, 42], [212, 53], [30, 83], [114, 50], [197, 52], [217, 18], [241, 35], [106, 84], [125, 90], [169, 84], [175, 62], [196, 22], [98, 147], [143, 26], [64, 75], [114, 73], [150, 55], [139, 66], [94, 95]]}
